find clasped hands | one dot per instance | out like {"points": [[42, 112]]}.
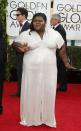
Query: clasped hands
{"points": [[21, 47]]}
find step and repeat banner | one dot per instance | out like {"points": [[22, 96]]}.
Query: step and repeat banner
{"points": [[33, 6], [70, 11]]}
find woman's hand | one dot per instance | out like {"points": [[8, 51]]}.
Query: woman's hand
{"points": [[26, 47], [22, 47], [70, 67]]}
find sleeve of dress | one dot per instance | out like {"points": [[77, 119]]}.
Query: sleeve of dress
{"points": [[60, 41], [22, 38]]}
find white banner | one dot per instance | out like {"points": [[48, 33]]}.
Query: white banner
{"points": [[33, 6], [70, 11]]}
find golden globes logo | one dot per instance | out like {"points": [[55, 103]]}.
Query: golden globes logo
{"points": [[32, 8], [70, 16]]}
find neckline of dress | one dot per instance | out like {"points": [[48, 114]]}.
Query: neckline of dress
{"points": [[39, 35]]}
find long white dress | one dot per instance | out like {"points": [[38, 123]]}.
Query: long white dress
{"points": [[39, 78]]}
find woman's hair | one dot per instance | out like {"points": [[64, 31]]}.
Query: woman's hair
{"points": [[37, 15]]}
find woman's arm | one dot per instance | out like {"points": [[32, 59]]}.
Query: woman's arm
{"points": [[16, 44], [63, 55], [21, 47]]}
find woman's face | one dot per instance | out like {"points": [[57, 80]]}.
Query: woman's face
{"points": [[39, 23]]}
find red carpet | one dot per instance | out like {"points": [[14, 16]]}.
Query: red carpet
{"points": [[68, 110]]}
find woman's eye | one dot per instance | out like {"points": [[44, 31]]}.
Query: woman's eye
{"points": [[38, 21]]}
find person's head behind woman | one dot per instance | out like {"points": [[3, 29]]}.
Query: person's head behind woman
{"points": [[38, 23]]}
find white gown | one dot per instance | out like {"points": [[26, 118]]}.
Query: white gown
{"points": [[39, 78]]}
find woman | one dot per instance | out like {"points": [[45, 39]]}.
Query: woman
{"points": [[39, 78]]}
